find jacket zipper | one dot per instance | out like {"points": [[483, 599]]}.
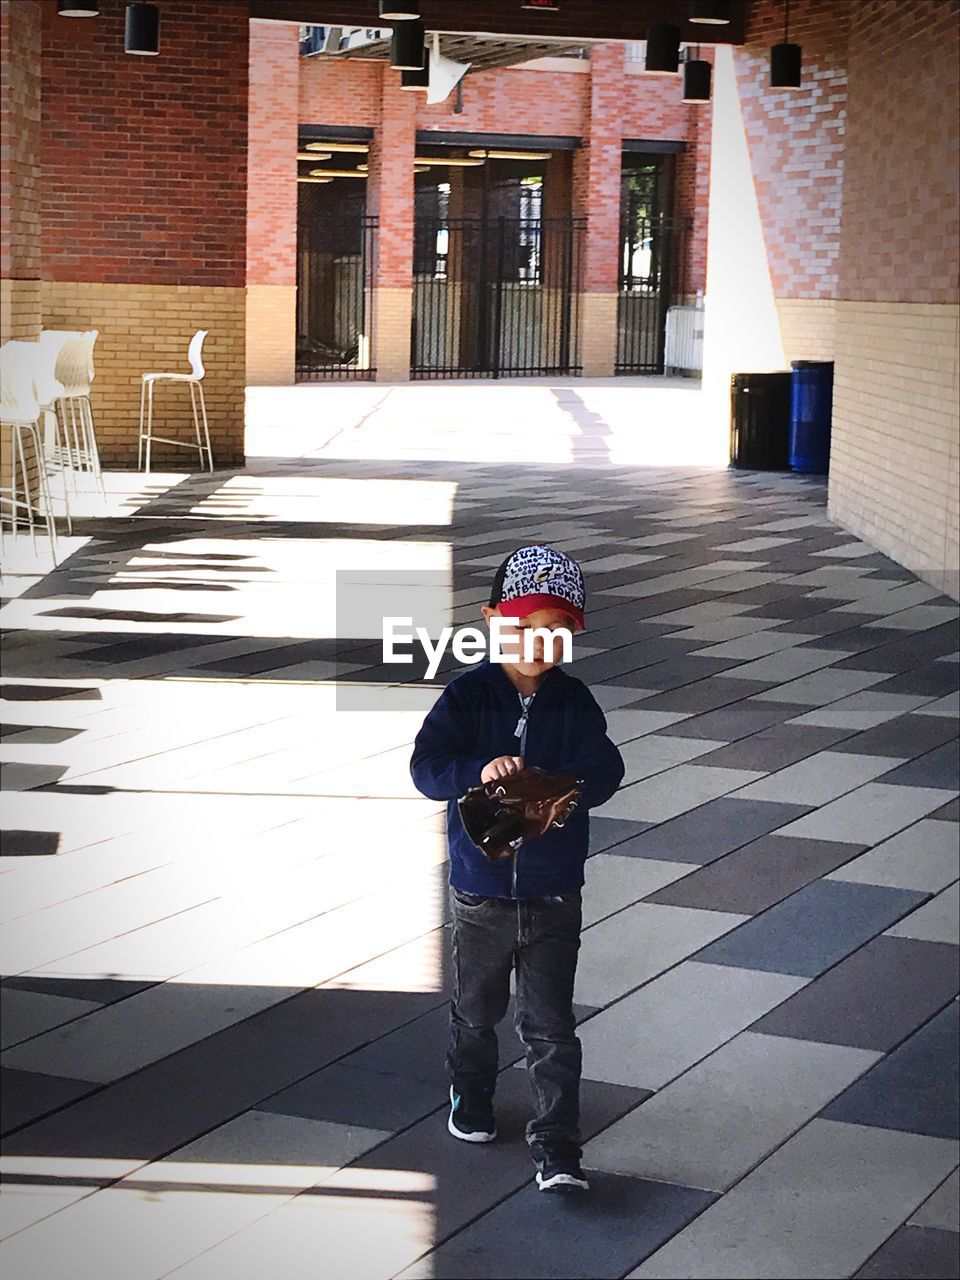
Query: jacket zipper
{"points": [[521, 732]]}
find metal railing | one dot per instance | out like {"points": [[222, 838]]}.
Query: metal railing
{"points": [[496, 297], [335, 313], [653, 276]]}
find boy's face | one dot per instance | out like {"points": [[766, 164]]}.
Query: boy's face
{"points": [[545, 653]]}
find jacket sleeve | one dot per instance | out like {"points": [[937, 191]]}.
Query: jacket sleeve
{"points": [[598, 760], [442, 765]]}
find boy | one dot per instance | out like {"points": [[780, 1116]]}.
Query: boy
{"points": [[523, 912]]}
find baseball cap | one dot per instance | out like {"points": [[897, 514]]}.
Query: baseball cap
{"points": [[538, 577]]}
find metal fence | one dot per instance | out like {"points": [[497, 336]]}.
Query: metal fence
{"points": [[653, 277], [496, 297], [335, 261]]}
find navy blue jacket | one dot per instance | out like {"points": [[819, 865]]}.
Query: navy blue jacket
{"points": [[474, 720]]}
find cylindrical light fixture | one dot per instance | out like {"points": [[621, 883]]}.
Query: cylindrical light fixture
{"points": [[785, 58], [407, 48], [142, 33], [417, 79], [785, 62], [394, 11], [663, 51], [714, 12], [696, 80], [75, 9]]}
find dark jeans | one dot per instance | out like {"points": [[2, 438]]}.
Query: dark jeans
{"points": [[540, 937]]}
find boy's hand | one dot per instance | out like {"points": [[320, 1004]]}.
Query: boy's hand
{"points": [[501, 767]]}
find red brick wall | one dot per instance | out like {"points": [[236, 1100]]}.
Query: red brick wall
{"points": [[900, 195], [596, 171], [796, 141], [144, 159], [20, 132], [512, 101], [272, 128], [342, 92]]}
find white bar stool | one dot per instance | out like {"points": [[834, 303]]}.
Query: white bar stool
{"points": [[20, 414], [74, 371], [194, 379]]}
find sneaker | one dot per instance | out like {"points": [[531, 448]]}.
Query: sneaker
{"points": [[558, 1169], [471, 1117]]}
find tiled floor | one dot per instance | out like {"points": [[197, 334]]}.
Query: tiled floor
{"points": [[225, 932]]}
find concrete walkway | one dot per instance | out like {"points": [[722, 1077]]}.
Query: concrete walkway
{"points": [[226, 931]]}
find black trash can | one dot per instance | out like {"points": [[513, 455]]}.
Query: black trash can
{"points": [[811, 412], [760, 421]]}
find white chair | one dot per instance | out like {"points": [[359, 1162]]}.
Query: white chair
{"points": [[194, 379], [58, 456], [74, 371], [20, 414]]}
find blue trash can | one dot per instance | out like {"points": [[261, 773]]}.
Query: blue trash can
{"points": [[811, 410]]}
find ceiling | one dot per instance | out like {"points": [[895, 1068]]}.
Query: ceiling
{"points": [[482, 52]]}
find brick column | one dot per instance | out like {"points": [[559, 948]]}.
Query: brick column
{"points": [[596, 194], [272, 203], [20, 169], [390, 197]]}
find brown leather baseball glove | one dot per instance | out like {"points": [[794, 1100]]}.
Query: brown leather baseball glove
{"points": [[500, 816]]}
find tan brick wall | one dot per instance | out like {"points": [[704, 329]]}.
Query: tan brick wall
{"points": [[148, 327], [598, 334], [19, 309], [392, 310], [271, 334], [894, 450], [808, 328]]}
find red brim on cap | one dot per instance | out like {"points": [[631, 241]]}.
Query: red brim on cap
{"points": [[523, 605]]}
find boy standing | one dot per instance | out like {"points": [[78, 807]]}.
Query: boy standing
{"points": [[523, 912]]}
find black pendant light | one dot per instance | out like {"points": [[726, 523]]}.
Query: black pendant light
{"points": [[663, 51], [395, 11], [417, 79], [785, 59], [407, 49], [142, 33], [714, 12], [696, 79], [75, 9]]}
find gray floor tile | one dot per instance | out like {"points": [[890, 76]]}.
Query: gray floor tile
{"points": [[306, 1147], [811, 930], [925, 857], [789, 664], [938, 768], [819, 778], [28, 1095], [868, 815], [601, 1234], [661, 1030], [607, 833], [349, 1095], [916, 1088], [775, 748], [712, 830], [914, 1253], [942, 1209], [948, 706], [905, 736], [684, 787], [736, 1104], [635, 945], [782, 1219], [752, 878], [910, 981], [935, 921], [734, 722], [864, 710], [820, 688], [613, 882], [24, 1014]]}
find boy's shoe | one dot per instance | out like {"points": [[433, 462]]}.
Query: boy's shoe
{"points": [[471, 1117], [558, 1168]]}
